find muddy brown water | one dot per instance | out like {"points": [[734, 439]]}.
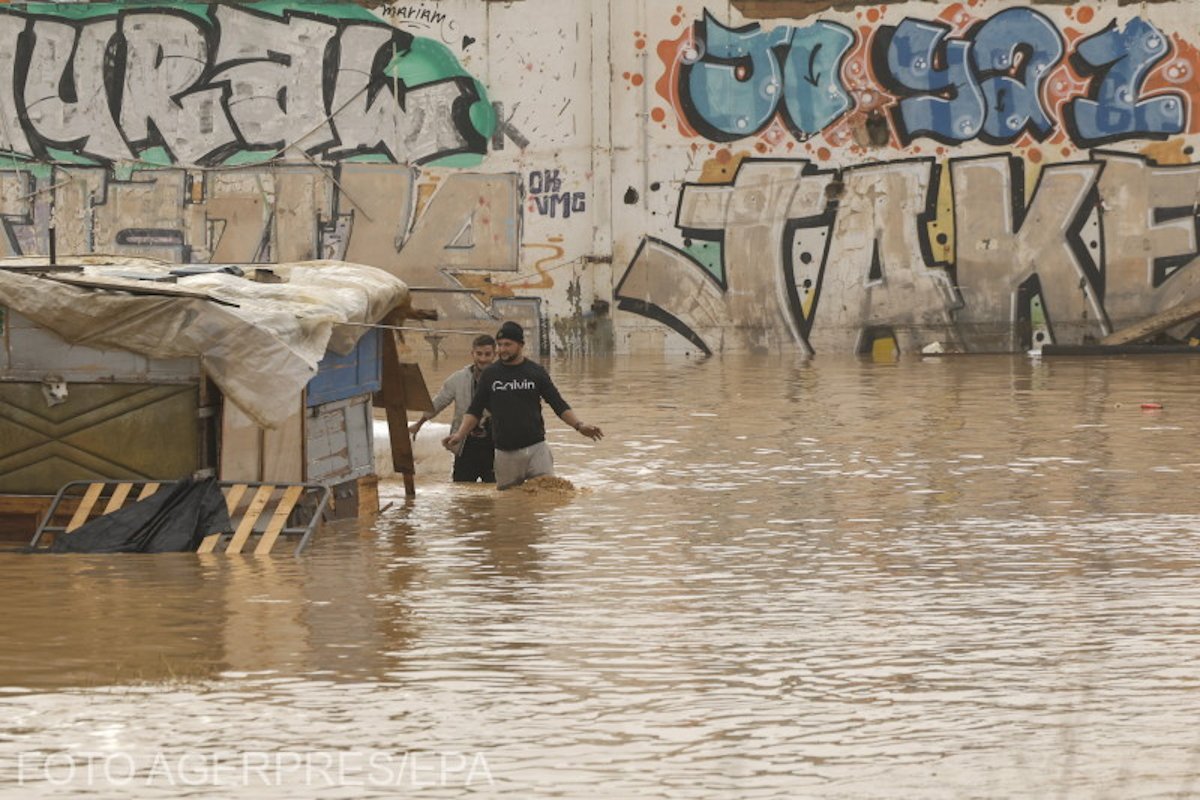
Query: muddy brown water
{"points": [[954, 577]]}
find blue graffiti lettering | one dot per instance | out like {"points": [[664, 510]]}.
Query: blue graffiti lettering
{"points": [[989, 84], [813, 93], [1015, 39], [1120, 61], [943, 103], [732, 81]]}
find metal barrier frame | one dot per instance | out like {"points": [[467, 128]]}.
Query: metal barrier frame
{"points": [[116, 500]]}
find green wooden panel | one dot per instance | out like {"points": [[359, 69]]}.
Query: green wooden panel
{"points": [[102, 431]]}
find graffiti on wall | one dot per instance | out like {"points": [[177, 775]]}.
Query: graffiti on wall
{"points": [[223, 84], [952, 79], [112, 116], [548, 198], [1048, 238], [829, 260], [365, 213], [999, 70], [428, 21], [732, 83]]}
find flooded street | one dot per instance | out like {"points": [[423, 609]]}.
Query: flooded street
{"points": [[955, 577]]}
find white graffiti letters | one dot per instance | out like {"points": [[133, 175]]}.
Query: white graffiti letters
{"points": [[11, 136], [847, 256], [65, 99], [196, 87], [269, 99], [1002, 244], [165, 56]]}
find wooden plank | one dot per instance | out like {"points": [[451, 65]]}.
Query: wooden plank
{"points": [[395, 402], [232, 497], [278, 520], [20, 516], [1119, 350], [147, 490], [341, 377], [1175, 315], [339, 441], [49, 268], [118, 497], [416, 391], [36, 504], [368, 496], [241, 445], [209, 545], [85, 506], [326, 443], [283, 448], [257, 504], [360, 436], [140, 287]]}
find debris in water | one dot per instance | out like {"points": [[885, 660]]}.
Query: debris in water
{"points": [[547, 484]]}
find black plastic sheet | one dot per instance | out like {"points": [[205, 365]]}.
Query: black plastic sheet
{"points": [[169, 521]]}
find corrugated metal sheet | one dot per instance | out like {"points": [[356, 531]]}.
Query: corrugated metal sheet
{"points": [[101, 431], [339, 441]]}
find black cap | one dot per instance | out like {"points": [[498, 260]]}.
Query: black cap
{"points": [[511, 331]]}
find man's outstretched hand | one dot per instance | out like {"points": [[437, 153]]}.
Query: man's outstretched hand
{"points": [[592, 432]]}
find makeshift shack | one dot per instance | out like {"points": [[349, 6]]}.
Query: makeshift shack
{"points": [[139, 370]]}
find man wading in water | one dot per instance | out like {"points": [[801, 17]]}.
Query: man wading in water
{"points": [[512, 390], [473, 460]]}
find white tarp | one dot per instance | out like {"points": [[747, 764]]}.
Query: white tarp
{"points": [[261, 353]]}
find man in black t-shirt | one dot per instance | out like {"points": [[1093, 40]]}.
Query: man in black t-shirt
{"points": [[512, 390]]}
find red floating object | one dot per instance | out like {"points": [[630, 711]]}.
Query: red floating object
{"points": [[1152, 406]]}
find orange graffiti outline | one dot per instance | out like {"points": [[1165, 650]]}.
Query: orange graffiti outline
{"points": [[545, 282]]}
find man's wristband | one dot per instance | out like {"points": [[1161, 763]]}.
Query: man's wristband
{"points": [[578, 425]]}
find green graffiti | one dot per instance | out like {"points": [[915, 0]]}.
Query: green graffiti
{"points": [[424, 62], [329, 10], [67, 157], [85, 11], [155, 157], [428, 61], [708, 255]]}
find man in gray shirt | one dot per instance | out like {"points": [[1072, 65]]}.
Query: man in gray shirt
{"points": [[475, 454]]}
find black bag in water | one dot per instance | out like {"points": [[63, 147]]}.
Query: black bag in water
{"points": [[166, 522]]}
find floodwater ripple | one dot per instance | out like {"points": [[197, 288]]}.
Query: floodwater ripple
{"points": [[958, 577]]}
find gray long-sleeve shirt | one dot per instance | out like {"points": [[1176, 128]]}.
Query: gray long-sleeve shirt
{"points": [[458, 389]]}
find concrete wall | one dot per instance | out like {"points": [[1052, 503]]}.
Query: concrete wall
{"points": [[636, 175]]}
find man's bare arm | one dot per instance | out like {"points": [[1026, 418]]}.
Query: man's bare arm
{"points": [[592, 432], [468, 424]]}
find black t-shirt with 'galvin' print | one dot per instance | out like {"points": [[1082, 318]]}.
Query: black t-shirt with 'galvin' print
{"points": [[513, 395]]}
